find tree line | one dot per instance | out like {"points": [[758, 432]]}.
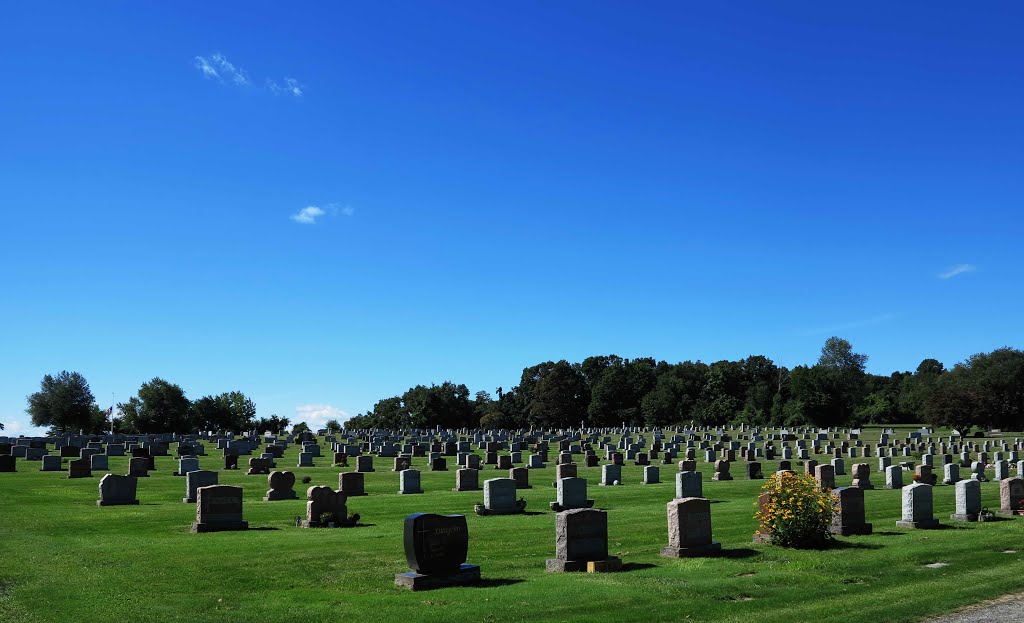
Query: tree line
{"points": [[985, 391], [65, 403]]}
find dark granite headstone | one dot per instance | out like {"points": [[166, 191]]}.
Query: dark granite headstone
{"points": [[435, 549], [218, 508]]}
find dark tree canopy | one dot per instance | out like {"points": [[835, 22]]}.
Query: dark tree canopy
{"points": [[64, 403]]}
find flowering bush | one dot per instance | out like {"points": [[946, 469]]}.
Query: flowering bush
{"points": [[793, 512]]}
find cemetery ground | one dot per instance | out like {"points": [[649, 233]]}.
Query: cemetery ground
{"points": [[65, 558]]}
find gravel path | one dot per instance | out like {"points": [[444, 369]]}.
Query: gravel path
{"points": [[1006, 609]]}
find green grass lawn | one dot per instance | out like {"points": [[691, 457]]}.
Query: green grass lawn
{"points": [[65, 559]]}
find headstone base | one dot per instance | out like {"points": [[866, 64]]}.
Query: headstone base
{"points": [[929, 524], [466, 489], [722, 477], [558, 508], [557, 565], [852, 530], [712, 549], [1010, 512], [116, 502], [467, 574], [198, 528], [305, 523], [188, 500], [964, 517], [291, 495], [482, 510]]}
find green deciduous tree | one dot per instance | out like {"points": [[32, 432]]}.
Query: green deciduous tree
{"points": [[159, 407], [230, 411], [63, 403]]}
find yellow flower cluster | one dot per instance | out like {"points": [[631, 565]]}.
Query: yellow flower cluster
{"points": [[793, 511]]}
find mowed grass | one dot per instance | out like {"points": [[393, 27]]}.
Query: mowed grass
{"points": [[65, 559]]}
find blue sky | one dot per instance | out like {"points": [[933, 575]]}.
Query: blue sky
{"points": [[322, 204]]}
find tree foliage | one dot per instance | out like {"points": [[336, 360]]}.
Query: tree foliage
{"points": [[64, 403]]}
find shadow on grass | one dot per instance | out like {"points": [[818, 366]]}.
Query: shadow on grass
{"points": [[492, 582], [637, 566], [264, 528], [739, 552], [889, 533], [531, 513], [837, 544]]}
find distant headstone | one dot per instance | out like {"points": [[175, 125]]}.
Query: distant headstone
{"points": [[652, 475], [500, 498], [968, 501], [862, 476], [409, 482], [326, 509], [611, 474], [186, 465], [521, 476], [689, 485], [917, 507], [258, 466], [281, 487], [721, 470], [51, 463], [117, 490], [196, 479], [351, 483], [364, 463], [80, 468], [894, 477], [467, 479], [571, 493], [1011, 496]]}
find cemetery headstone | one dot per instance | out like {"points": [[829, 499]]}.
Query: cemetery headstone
{"points": [[281, 487], [219, 508], [581, 542], [435, 549], [689, 529], [117, 490]]}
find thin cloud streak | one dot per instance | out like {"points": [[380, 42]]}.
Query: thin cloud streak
{"points": [[856, 324], [959, 269], [291, 87], [218, 67]]}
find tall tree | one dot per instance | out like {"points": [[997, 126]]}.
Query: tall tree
{"points": [[559, 397], [63, 403], [230, 411], [160, 407]]}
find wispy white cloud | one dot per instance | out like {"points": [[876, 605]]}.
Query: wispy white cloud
{"points": [[959, 269], [291, 87], [204, 66], [316, 416], [308, 215], [220, 68], [855, 324], [336, 209]]}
